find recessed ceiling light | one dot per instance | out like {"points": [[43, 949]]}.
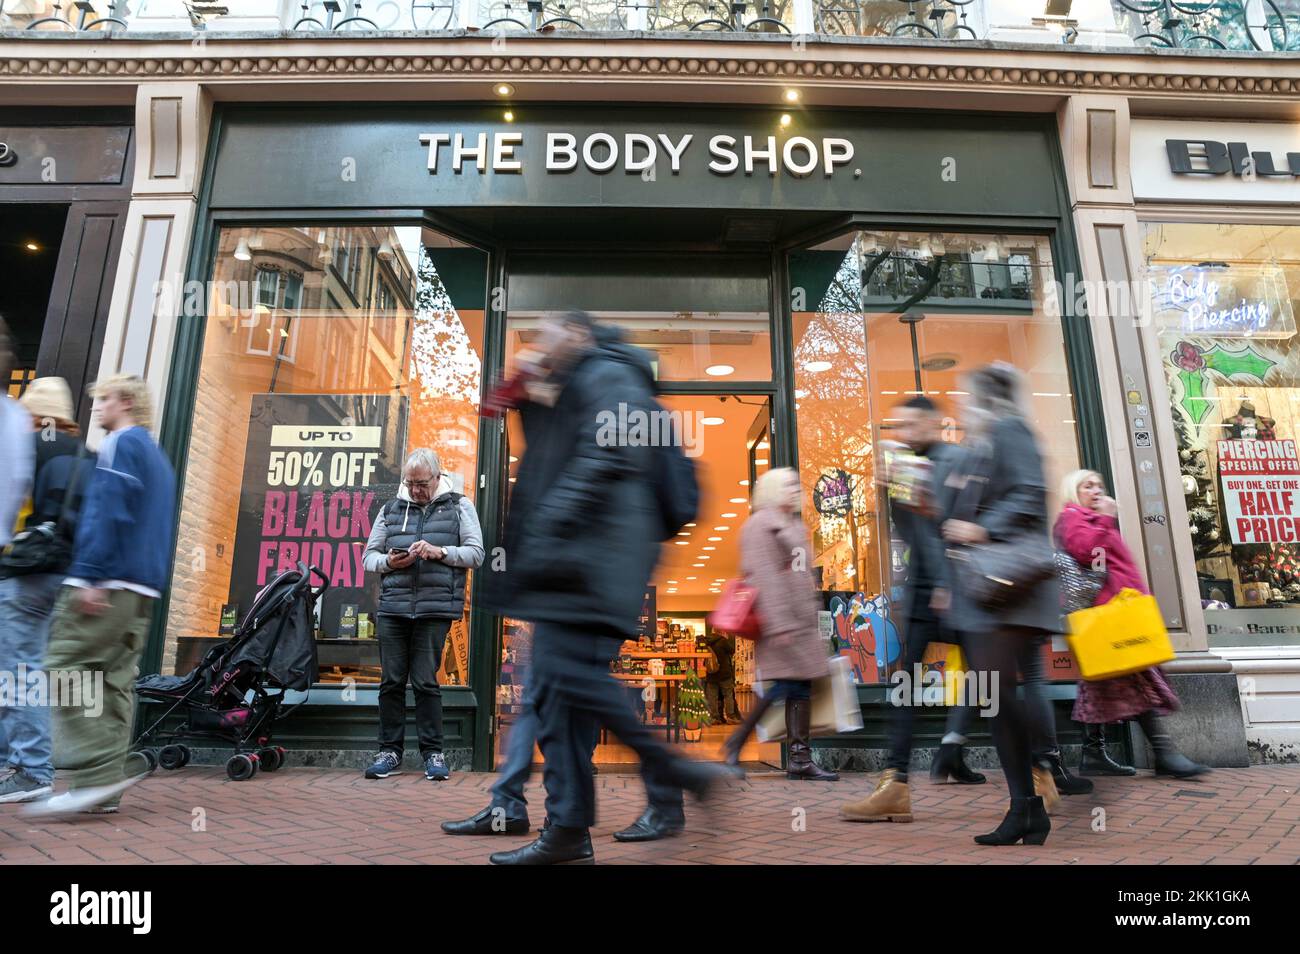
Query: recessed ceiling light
{"points": [[721, 528], [682, 543], [786, 119], [688, 525], [508, 116], [712, 421], [503, 89], [698, 566], [760, 461], [792, 96], [514, 460], [720, 370], [702, 557], [738, 500], [743, 483], [670, 581], [717, 539], [684, 533], [708, 548], [816, 367], [691, 578], [32, 247], [728, 515]]}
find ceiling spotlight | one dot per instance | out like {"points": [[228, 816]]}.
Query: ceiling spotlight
{"points": [[792, 96], [786, 119], [689, 578], [503, 89], [684, 533], [720, 370], [708, 548], [698, 566], [508, 116], [711, 421], [719, 539], [728, 515], [688, 524], [721, 528], [743, 483], [738, 500], [681, 543], [32, 247]]}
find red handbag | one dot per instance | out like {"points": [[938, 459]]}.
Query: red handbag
{"points": [[737, 611]]}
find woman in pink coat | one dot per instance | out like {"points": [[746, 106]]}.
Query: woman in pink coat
{"points": [[776, 560], [1088, 529]]}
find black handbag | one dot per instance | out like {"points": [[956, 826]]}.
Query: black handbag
{"points": [[1079, 584], [1000, 572], [46, 547]]}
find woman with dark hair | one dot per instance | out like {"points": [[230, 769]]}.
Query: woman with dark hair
{"points": [[997, 496]]}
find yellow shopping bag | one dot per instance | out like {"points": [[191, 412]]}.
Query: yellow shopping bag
{"points": [[1122, 636], [953, 667]]}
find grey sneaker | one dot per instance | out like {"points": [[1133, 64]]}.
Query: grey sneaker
{"points": [[386, 763], [18, 786]]}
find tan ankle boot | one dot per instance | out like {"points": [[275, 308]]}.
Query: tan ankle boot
{"points": [[890, 802], [1045, 787]]}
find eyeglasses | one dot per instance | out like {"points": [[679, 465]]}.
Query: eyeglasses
{"points": [[413, 484]]}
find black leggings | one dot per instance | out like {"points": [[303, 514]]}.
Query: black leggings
{"points": [[1005, 653]]}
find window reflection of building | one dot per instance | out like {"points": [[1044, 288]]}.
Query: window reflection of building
{"points": [[968, 300]]}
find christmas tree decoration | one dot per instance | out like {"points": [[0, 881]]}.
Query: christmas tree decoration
{"points": [[692, 708], [1198, 488]]}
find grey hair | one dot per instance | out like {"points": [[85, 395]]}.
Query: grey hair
{"points": [[423, 457]]}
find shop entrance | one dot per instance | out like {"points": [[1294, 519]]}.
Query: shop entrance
{"points": [[706, 322], [29, 254]]}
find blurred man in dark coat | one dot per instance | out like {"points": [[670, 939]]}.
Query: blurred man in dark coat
{"points": [[581, 540]]}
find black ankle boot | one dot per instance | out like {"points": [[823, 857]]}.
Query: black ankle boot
{"points": [[1095, 760], [1026, 821], [798, 721], [1066, 783], [950, 766], [1169, 761], [555, 846]]}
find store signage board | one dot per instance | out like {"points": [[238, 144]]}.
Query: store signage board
{"points": [[633, 156], [1261, 490], [63, 155], [1211, 300], [1207, 162]]}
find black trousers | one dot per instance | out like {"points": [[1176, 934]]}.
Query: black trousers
{"points": [[922, 630], [574, 695], [410, 649], [1004, 654]]}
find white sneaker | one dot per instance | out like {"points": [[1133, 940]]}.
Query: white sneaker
{"points": [[17, 786], [79, 800]]}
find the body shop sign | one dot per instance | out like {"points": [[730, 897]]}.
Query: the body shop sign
{"points": [[1261, 490]]}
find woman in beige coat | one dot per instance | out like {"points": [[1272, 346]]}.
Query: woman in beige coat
{"points": [[776, 558]]}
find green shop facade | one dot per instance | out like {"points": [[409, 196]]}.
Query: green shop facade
{"points": [[360, 274]]}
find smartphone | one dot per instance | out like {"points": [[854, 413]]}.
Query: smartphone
{"points": [[399, 551]]}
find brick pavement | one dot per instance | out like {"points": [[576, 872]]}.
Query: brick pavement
{"points": [[324, 816]]}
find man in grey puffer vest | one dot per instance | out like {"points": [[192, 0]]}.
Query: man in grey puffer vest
{"points": [[423, 543]]}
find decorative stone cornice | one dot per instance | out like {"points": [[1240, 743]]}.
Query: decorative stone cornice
{"points": [[475, 57]]}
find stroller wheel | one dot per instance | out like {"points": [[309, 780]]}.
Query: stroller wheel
{"points": [[173, 757], [187, 754], [271, 759], [240, 768], [141, 762]]}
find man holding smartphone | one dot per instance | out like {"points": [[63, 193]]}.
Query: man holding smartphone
{"points": [[423, 544]]}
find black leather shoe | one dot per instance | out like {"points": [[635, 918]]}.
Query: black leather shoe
{"points": [[651, 826], [555, 846], [950, 766], [1066, 783], [487, 823]]}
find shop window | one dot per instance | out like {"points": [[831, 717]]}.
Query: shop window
{"points": [[309, 399], [1223, 300], [882, 317]]}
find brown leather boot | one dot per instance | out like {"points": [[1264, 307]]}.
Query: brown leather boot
{"points": [[1045, 787], [890, 802], [798, 720]]}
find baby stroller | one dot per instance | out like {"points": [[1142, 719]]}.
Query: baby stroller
{"points": [[236, 694]]}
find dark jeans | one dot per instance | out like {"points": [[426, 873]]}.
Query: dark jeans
{"points": [[721, 697], [1007, 653], [410, 649], [780, 689], [921, 631], [574, 695]]}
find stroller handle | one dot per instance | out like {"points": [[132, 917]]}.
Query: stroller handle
{"points": [[307, 573]]}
